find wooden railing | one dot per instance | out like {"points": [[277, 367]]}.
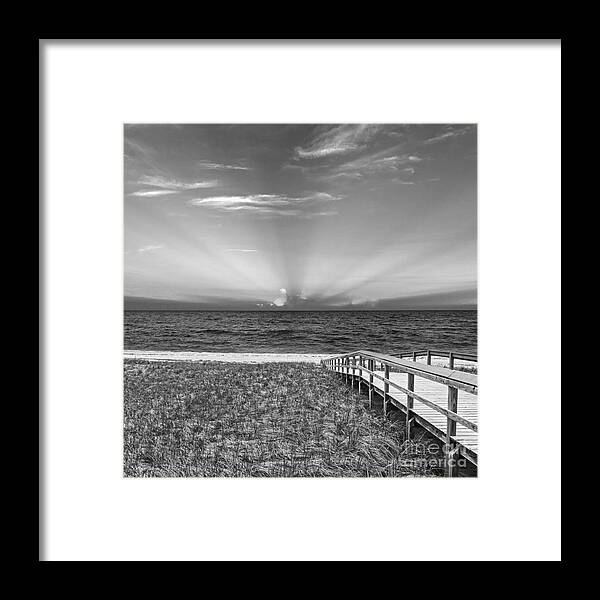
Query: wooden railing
{"points": [[362, 362], [451, 356]]}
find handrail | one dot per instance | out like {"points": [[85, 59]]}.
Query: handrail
{"points": [[457, 379], [447, 413], [440, 353]]}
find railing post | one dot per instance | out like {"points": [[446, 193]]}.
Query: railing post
{"points": [[346, 369], [451, 365], [415, 356], [409, 404], [386, 389], [451, 450], [371, 368], [353, 370], [428, 357], [360, 362], [349, 372]]}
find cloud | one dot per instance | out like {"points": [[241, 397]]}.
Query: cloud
{"points": [[176, 185], [141, 156], [320, 196], [282, 212], [449, 133], [439, 138], [365, 142], [138, 148], [343, 174], [240, 250], [151, 193], [282, 299], [150, 248], [267, 204], [236, 202], [382, 162], [204, 164], [340, 139], [337, 148]]}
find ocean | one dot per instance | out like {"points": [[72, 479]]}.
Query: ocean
{"points": [[332, 332]]}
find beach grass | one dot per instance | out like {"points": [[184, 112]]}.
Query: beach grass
{"points": [[272, 420]]}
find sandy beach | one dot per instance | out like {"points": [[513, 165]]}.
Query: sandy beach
{"points": [[231, 357], [250, 357]]}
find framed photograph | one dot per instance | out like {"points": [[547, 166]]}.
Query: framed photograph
{"points": [[275, 273]]}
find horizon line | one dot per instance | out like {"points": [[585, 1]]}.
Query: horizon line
{"points": [[258, 310]]}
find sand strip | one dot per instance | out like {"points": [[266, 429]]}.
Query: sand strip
{"points": [[236, 357], [254, 357]]}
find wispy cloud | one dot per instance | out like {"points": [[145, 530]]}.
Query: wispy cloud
{"points": [[319, 197], [382, 162], [176, 185], [341, 139], [152, 193], [338, 148], [378, 163], [402, 181], [150, 248], [449, 132], [142, 156], [211, 166], [266, 204], [235, 202], [240, 250], [342, 175]]}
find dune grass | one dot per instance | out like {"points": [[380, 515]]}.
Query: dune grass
{"points": [[274, 420]]}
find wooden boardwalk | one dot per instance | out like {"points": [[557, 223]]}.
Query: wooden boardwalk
{"points": [[440, 399], [430, 418]]}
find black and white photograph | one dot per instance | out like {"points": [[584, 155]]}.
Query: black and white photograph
{"points": [[300, 300]]}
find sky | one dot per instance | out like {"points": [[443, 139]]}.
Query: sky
{"points": [[300, 217]]}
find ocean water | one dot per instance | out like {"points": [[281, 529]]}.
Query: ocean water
{"points": [[311, 332]]}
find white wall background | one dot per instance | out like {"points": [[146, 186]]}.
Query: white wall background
{"points": [[512, 510]]}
